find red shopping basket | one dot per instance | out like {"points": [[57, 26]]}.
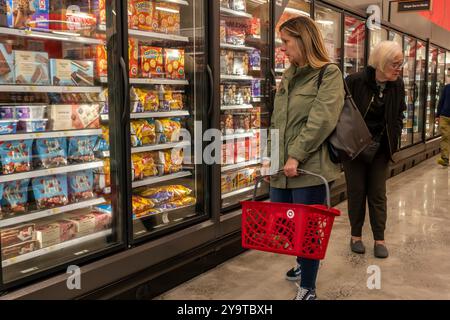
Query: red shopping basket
{"points": [[286, 228]]}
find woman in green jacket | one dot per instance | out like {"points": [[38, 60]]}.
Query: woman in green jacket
{"points": [[304, 116]]}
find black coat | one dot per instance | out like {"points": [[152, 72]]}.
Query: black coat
{"points": [[363, 86]]}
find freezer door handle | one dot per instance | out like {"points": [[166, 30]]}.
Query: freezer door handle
{"points": [[211, 90], [126, 102]]}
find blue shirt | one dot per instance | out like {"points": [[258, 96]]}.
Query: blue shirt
{"points": [[444, 103]]}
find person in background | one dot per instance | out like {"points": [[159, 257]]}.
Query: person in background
{"points": [[443, 116], [379, 94], [305, 116]]}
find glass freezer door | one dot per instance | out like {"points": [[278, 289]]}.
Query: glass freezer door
{"points": [[57, 174], [354, 44], [244, 61], [167, 59], [410, 95], [419, 103], [431, 93], [440, 84], [330, 22]]}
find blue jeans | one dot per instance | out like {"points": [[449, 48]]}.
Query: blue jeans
{"points": [[308, 195]]}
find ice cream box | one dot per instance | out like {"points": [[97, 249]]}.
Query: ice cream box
{"points": [[72, 72]]}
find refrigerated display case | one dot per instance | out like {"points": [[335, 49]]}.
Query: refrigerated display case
{"points": [[58, 180], [167, 54], [376, 35], [410, 93], [431, 91], [440, 84], [354, 45], [420, 88], [397, 37], [285, 10], [329, 22], [244, 66]]}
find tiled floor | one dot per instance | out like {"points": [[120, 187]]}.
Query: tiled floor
{"points": [[418, 238]]}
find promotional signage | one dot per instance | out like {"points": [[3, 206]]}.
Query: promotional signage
{"points": [[414, 5]]}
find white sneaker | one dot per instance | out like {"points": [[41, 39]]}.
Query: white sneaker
{"points": [[305, 294]]}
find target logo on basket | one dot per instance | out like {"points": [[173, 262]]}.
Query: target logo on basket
{"points": [[290, 214]]}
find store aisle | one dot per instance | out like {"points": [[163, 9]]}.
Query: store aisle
{"points": [[418, 238]]}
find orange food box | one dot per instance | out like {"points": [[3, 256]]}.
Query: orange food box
{"points": [[142, 15], [174, 63], [133, 56], [102, 11], [169, 17], [101, 61], [152, 65]]}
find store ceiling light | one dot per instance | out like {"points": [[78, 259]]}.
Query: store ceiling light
{"points": [[167, 10], [296, 11], [325, 22]]}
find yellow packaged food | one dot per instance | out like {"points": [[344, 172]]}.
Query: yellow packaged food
{"points": [[149, 99], [141, 204], [142, 132], [171, 160], [149, 167], [172, 101], [137, 167], [169, 18], [167, 130], [166, 194]]}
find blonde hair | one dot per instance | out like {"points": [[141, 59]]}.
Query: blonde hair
{"points": [[384, 53], [309, 40]]}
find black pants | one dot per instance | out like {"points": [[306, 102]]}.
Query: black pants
{"points": [[367, 181]]}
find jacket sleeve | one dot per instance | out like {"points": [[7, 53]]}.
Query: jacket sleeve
{"points": [[323, 117], [442, 101]]}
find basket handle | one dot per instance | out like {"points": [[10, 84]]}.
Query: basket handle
{"points": [[325, 182]]}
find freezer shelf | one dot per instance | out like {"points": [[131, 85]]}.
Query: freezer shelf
{"points": [[51, 35], [240, 165], [236, 78], [236, 192], [236, 47], [237, 136], [164, 214], [163, 146], [148, 35], [153, 180], [234, 13], [48, 135], [237, 107], [168, 114], [49, 89], [48, 172], [50, 212], [160, 81], [57, 247]]}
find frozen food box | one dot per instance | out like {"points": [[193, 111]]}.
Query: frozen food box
{"points": [[101, 65], [67, 230], [48, 235], [142, 15], [17, 235], [30, 112], [68, 117], [228, 153], [169, 17], [239, 151], [28, 14], [19, 249], [30, 67], [101, 12], [72, 72], [7, 113], [102, 221], [6, 64], [152, 65], [174, 63], [84, 224], [78, 16], [133, 57]]}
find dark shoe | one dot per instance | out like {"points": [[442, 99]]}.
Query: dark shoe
{"points": [[295, 274], [380, 251], [305, 294], [357, 246]]}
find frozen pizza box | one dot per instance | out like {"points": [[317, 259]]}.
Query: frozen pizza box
{"points": [[31, 67]]}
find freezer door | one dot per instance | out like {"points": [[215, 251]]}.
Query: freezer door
{"points": [[168, 99], [354, 44], [432, 87], [58, 178], [244, 97], [419, 105], [330, 25], [440, 78], [410, 93]]}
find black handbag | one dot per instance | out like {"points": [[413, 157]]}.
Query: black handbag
{"points": [[351, 135]]}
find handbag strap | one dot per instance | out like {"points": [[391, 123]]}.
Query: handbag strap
{"points": [[320, 80]]}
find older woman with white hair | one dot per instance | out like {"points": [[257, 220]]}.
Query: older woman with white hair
{"points": [[379, 93]]}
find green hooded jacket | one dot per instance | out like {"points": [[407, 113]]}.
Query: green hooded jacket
{"points": [[305, 117]]}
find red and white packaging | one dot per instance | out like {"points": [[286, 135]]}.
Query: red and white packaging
{"points": [[48, 235], [16, 235], [228, 153], [84, 224], [66, 230], [102, 221], [19, 249], [239, 151]]}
